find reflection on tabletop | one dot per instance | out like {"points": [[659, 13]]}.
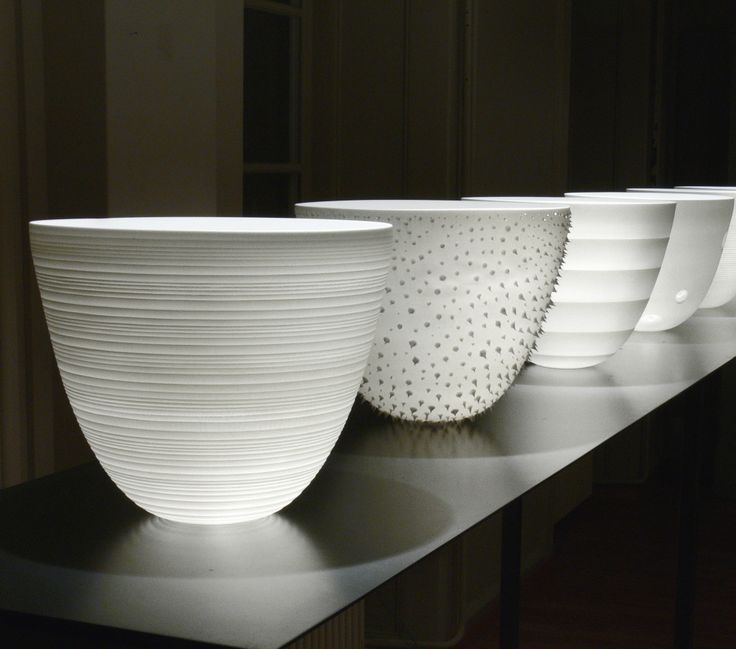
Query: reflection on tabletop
{"points": [[497, 433], [85, 523]]}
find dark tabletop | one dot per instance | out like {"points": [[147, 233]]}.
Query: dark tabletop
{"points": [[73, 547]]}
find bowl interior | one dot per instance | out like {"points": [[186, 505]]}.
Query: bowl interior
{"points": [[213, 224], [723, 191], [641, 195], [569, 200], [707, 188], [408, 205]]}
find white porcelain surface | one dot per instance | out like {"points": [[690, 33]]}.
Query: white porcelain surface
{"points": [[613, 257], [211, 362], [464, 304], [692, 256], [723, 288]]}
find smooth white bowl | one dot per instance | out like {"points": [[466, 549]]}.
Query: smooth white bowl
{"points": [[464, 304], [211, 362], [692, 255], [613, 257], [723, 287]]}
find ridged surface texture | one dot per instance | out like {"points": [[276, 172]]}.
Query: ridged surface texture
{"points": [[466, 300], [723, 288], [344, 631], [614, 255], [691, 258], [211, 371]]}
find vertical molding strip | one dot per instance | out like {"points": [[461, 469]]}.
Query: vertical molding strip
{"points": [[344, 631], [337, 161], [406, 71], [14, 451], [229, 108], [24, 303], [564, 30], [455, 93], [296, 65], [466, 154], [657, 162], [41, 366], [616, 102], [305, 99]]}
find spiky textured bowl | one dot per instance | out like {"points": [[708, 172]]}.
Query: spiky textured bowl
{"points": [[469, 289]]}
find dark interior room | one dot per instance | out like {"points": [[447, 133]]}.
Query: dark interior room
{"points": [[615, 531]]}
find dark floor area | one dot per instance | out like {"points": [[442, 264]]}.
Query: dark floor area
{"points": [[610, 581]]}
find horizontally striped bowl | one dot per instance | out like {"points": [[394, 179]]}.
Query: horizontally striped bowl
{"points": [[470, 285], [614, 254], [691, 258], [211, 362]]}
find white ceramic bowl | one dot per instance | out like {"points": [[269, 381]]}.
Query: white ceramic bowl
{"points": [[211, 362], [466, 300], [692, 255], [613, 257], [723, 288]]}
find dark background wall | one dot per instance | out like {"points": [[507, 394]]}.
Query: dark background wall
{"points": [[380, 98], [651, 93], [246, 106]]}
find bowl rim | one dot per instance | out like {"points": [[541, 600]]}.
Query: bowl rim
{"points": [[634, 193], [573, 200], [211, 225], [427, 206], [704, 189]]}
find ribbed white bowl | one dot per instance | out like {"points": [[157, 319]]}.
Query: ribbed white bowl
{"points": [[692, 255], [211, 362], [723, 288], [466, 300], [614, 254]]}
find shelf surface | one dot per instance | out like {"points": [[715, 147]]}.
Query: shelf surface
{"points": [[73, 547]]}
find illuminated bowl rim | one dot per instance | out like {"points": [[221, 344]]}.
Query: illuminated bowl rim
{"points": [[209, 225], [432, 208]]}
